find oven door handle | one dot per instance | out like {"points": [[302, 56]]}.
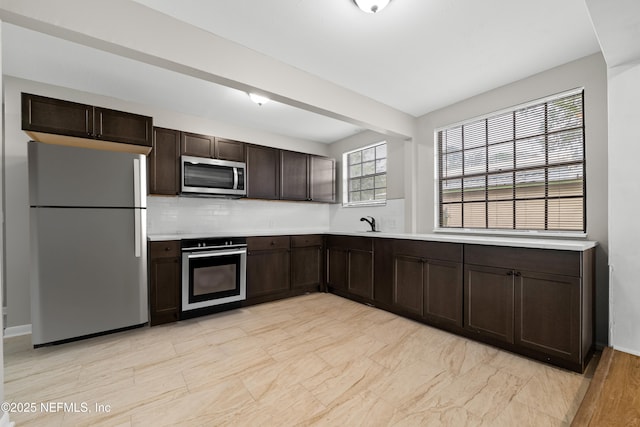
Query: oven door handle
{"points": [[216, 253]]}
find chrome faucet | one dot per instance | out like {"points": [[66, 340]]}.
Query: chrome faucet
{"points": [[371, 222]]}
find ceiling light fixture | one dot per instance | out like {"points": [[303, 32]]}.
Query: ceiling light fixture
{"points": [[258, 99], [371, 6]]}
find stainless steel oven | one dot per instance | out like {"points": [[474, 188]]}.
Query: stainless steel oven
{"points": [[213, 272]]}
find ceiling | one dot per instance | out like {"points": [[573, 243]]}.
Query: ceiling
{"points": [[415, 56]]}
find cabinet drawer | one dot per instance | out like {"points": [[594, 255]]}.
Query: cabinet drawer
{"points": [[551, 261], [428, 250], [351, 242], [306, 240], [164, 249], [263, 243]]}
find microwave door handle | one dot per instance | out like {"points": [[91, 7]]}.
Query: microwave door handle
{"points": [[235, 178]]}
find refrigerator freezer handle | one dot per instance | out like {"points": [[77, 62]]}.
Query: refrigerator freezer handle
{"points": [[137, 233], [137, 193]]}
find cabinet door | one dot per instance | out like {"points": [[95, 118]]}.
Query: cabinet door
{"points": [[42, 114], [361, 273], [263, 165], [306, 267], [548, 314], [443, 292], [408, 283], [164, 282], [226, 149], [294, 176], [267, 272], [118, 126], [489, 302], [197, 145], [164, 162], [323, 179], [337, 268]]}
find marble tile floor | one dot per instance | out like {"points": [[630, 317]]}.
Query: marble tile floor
{"points": [[314, 360]]}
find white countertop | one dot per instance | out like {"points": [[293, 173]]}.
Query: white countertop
{"points": [[522, 242], [234, 233]]}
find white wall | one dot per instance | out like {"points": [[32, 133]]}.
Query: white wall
{"points": [[391, 217], [16, 186], [588, 72], [624, 203]]}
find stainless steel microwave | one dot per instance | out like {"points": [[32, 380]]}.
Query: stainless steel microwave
{"points": [[211, 177]]}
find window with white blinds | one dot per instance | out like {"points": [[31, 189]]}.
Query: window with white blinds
{"points": [[522, 169]]}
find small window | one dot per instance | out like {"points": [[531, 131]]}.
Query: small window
{"points": [[365, 176], [521, 169]]}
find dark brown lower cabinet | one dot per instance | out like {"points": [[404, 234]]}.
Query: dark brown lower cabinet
{"points": [[306, 262], [408, 283], [442, 296], [337, 269], [267, 267], [350, 265], [535, 302], [164, 281], [539, 302], [426, 286], [360, 273], [489, 302], [547, 313]]}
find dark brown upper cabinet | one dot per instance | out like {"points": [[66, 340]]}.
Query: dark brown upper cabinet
{"points": [[164, 162], [294, 175], [227, 149], [307, 177], [322, 187], [263, 172], [54, 120], [193, 144], [197, 145]]}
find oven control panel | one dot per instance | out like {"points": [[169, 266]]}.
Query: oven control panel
{"points": [[213, 243]]}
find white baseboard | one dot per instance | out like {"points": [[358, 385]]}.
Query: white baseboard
{"points": [[16, 331], [4, 421]]}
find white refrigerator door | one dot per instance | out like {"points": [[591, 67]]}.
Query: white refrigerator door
{"points": [[85, 275]]}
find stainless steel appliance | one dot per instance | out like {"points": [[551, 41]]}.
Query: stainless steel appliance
{"points": [[211, 177], [88, 269], [213, 272]]}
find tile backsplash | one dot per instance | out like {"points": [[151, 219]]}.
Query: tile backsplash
{"points": [[194, 215]]}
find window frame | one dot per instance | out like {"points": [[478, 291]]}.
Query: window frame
{"points": [[346, 178], [512, 231]]}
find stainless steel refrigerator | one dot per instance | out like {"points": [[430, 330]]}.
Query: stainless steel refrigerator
{"points": [[88, 266]]}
